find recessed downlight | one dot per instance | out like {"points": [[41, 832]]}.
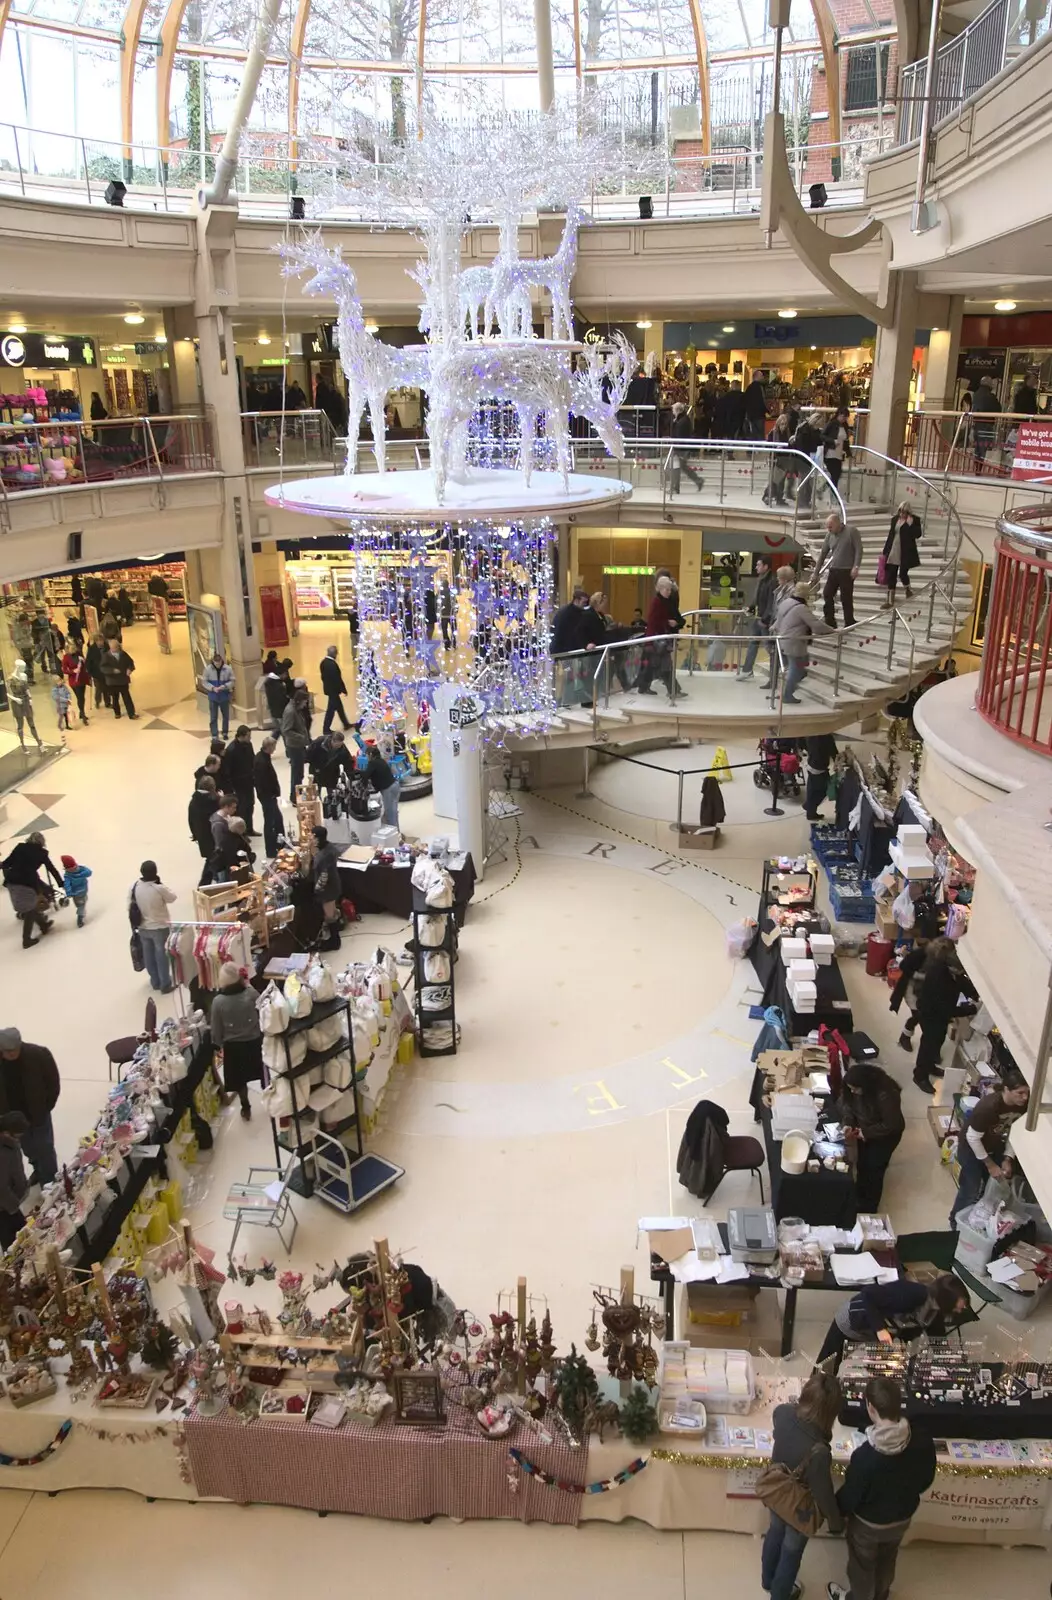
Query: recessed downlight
{"points": [[999, 305]]}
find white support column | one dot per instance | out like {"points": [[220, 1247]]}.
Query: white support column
{"points": [[944, 347], [542, 23], [892, 365]]}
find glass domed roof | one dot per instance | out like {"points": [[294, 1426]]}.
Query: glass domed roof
{"points": [[144, 73]]}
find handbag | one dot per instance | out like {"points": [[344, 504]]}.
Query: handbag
{"points": [[273, 1010], [882, 571], [784, 1491], [138, 960]]}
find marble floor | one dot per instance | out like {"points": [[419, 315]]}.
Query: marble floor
{"points": [[598, 1003]]}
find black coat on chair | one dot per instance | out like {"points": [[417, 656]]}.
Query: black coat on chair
{"points": [[700, 1163]]}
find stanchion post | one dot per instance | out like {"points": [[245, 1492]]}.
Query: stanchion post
{"points": [[774, 809]]}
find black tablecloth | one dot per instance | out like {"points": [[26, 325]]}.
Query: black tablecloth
{"points": [[1030, 1419], [831, 1005], [391, 889], [824, 1199]]}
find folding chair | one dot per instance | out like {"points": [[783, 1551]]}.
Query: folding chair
{"points": [[262, 1204], [119, 1052]]}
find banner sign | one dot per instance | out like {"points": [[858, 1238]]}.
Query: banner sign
{"points": [[1033, 450]]}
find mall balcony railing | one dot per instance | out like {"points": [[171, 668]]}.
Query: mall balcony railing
{"points": [[49, 456], [41, 164], [966, 63], [304, 438], [965, 443], [1015, 678]]}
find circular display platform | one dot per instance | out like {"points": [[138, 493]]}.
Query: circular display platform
{"points": [[410, 496]]}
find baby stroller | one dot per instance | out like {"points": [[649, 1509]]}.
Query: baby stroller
{"points": [[778, 755]]}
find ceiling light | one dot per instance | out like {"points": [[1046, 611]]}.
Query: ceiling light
{"points": [[133, 318], [999, 305], [264, 338], [160, 338], [729, 327], [644, 324], [372, 327], [789, 313], [17, 327], [814, 347]]}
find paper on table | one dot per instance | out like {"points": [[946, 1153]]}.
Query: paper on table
{"points": [[731, 1271], [659, 1224], [863, 1268], [273, 1191], [689, 1269], [1004, 1270], [888, 1275]]}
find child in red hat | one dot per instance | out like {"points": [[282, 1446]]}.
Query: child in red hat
{"points": [[76, 886]]}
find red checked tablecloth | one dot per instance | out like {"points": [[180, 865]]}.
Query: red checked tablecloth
{"points": [[393, 1470]]}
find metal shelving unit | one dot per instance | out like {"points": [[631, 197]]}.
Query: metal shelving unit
{"points": [[426, 1016]]}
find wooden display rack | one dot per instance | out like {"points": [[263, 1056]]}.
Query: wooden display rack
{"points": [[234, 902], [308, 816], [321, 1378]]}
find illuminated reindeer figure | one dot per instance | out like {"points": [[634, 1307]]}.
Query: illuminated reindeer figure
{"points": [[513, 277], [372, 369]]}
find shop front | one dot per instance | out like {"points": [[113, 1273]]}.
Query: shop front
{"points": [[47, 375], [1003, 349], [820, 361]]}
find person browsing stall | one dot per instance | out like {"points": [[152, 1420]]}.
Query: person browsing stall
{"points": [[801, 1439], [882, 1487], [30, 1083]]}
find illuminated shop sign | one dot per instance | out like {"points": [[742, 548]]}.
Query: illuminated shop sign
{"points": [[47, 350]]}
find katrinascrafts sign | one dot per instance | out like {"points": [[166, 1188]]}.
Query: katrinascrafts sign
{"points": [[966, 1502]]}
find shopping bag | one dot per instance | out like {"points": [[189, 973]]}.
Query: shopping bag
{"points": [[138, 960], [882, 571]]}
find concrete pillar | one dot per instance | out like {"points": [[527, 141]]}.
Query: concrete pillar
{"points": [[542, 22], [892, 366], [180, 329], [234, 578], [944, 347], [690, 541]]}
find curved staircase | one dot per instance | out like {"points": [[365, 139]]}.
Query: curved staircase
{"points": [[853, 672]]}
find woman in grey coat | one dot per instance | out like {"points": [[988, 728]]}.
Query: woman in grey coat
{"points": [[234, 1021], [801, 1439], [794, 623]]}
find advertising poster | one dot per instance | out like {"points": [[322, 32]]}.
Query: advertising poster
{"points": [[1033, 450], [272, 615], [161, 623], [206, 637]]}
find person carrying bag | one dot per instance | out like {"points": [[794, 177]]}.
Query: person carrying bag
{"points": [[797, 1488]]}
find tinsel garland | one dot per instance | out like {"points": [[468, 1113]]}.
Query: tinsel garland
{"points": [[600, 1486], [952, 1469], [41, 1455]]}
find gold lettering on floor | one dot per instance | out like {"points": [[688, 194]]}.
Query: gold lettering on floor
{"points": [[595, 1106], [683, 1078]]}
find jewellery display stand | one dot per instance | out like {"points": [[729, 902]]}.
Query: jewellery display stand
{"points": [[362, 1175], [234, 902], [427, 1017]]}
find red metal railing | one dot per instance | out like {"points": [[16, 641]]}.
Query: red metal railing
{"points": [[55, 455], [1015, 694]]}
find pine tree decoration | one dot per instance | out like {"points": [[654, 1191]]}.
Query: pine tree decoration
{"points": [[638, 1416], [575, 1386]]}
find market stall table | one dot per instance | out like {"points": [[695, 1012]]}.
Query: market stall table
{"points": [[661, 1274], [832, 1006], [376, 888], [400, 1472], [823, 1198]]}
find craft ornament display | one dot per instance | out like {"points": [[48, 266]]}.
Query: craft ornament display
{"points": [[550, 1481], [726, 1463]]}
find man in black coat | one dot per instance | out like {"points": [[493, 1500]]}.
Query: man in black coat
{"points": [[203, 802], [237, 773], [117, 668], [268, 793], [29, 1082], [566, 624], [334, 687], [328, 757], [755, 405]]}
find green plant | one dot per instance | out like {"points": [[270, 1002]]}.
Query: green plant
{"points": [[575, 1386], [638, 1416]]}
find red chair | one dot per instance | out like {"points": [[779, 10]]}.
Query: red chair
{"points": [[743, 1153], [120, 1051]]}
